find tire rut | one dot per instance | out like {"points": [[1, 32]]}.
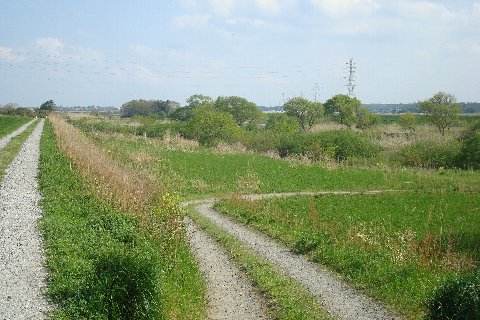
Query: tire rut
{"points": [[336, 296], [230, 295]]}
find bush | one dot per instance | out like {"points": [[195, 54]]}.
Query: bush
{"points": [[261, 141], [469, 156], [429, 154], [457, 299], [340, 145], [210, 126]]}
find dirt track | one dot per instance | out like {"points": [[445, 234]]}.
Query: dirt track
{"points": [[336, 296]]}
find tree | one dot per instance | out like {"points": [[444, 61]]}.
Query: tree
{"points": [[48, 105], [282, 123], [408, 121], [306, 112], [197, 100], [347, 113], [364, 118], [210, 126], [148, 107], [166, 107], [241, 109], [333, 104], [442, 110]]}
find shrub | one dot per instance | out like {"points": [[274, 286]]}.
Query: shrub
{"points": [[282, 123], [340, 144], [469, 156], [261, 141], [210, 126], [429, 154], [457, 299]]}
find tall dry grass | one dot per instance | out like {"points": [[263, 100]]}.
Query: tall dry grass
{"points": [[136, 193]]}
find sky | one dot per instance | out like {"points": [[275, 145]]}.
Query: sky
{"points": [[90, 52]]}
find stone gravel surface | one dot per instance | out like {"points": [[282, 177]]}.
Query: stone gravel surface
{"points": [[5, 140], [337, 297], [230, 294], [22, 272]]}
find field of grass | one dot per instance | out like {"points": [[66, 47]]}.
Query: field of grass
{"points": [[396, 246], [8, 153], [104, 263], [9, 123]]}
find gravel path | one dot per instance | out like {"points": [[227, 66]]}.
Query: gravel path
{"points": [[340, 299], [5, 140], [230, 294], [22, 275]]}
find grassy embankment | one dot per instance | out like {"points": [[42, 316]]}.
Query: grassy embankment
{"points": [[8, 153], [196, 172], [10, 123], [113, 251], [397, 247]]}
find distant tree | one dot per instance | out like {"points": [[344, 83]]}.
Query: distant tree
{"points": [[282, 123], [364, 118], [137, 107], [408, 121], [166, 107], [241, 109], [210, 126], [305, 111], [442, 110], [48, 105], [182, 113], [148, 107], [197, 100], [347, 113], [334, 104]]}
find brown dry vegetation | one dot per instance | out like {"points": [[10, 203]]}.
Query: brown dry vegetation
{"points": [[130, 191]]}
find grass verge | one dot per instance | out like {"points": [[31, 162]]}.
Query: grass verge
{"points": [[8, 153], [398, 247], [107, 264], [286, 299], [9, 123]]}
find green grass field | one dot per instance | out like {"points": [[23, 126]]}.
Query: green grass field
{"points": [[396, 246], [9, 123]]}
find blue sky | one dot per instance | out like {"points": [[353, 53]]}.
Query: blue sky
{"points": [[108, 52]]}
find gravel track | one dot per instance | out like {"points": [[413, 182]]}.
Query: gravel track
{"points": [[230, 294], [337, 297], [22, 275], [5, 140]]}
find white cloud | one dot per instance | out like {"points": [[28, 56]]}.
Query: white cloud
{"points": [[344, 7], [424, 9], [269, 6], [222, 7], [476, 9], [56, 49], [257, 23], [142, 50], [191, 21], [9, 55], [50, 45], [475, 48]]}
